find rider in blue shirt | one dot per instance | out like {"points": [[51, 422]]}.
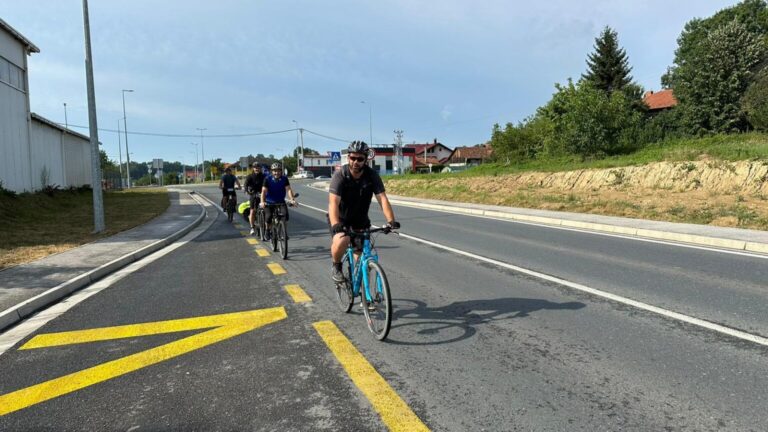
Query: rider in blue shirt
{"points": [[273, 193]]}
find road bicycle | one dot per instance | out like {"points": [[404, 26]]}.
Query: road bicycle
{"points": [[366, 278], [278, 236], [229, 202]]}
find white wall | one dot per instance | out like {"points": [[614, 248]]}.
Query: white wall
{"points": [[77, 160], [15, 170]]}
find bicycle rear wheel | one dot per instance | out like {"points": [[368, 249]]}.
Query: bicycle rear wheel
{"points": [[344, 289], [230, 208], [378, 311], [260, 224]]}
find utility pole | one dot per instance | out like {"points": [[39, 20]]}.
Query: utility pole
{"points": [[202, 151], [66, 123], [399, 151], [98, 204], [301, 133], [127, 154], [120, 150]]}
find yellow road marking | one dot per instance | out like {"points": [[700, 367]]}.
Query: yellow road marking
{"points": [[252, 241], [245, 233], [297, 294], [225, 326], [395, 413], [262, 252], [276, 268]]}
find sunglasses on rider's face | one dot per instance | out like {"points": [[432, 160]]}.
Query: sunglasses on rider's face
{"points": [[357, 159]]}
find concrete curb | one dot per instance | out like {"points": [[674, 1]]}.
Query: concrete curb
{"points": [[26, 308], [741, 245]]}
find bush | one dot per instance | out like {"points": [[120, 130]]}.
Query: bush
{"points": [[591, 123]]}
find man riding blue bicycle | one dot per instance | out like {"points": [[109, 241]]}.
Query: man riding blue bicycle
{"points": [[273, 193], [349, 199]]}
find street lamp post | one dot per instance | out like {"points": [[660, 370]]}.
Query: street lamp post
{"points": [[370, 120], [66, 123], [127, 153], [202, 150], [197, 162]]}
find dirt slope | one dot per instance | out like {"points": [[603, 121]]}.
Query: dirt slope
{"points": [[705, 191]]}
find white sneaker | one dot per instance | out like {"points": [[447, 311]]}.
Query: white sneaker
{"points": [[253, 231]]}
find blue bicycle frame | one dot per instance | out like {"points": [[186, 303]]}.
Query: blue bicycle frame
{"points": [[360, 277]]}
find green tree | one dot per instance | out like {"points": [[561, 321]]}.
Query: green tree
{"points": [[754, 104], [711, 86], [608, 67], [714, 64]]}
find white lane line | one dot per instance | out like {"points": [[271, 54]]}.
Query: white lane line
{"points": [[31, 324], [585, 231], [583, 288]]}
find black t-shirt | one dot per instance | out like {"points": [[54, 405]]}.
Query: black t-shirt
{"points": [[356, 194], [254, 182], [228, 181]]}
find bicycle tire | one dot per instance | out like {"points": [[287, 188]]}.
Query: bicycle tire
{"points": [[282, 240], [378, 313], [273, 240], [230, 209], [344, 289]]}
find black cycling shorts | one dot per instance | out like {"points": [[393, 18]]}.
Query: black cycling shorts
{"points": [[269, 208], [255, 199]]}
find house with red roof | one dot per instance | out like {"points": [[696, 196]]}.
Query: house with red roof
{"points": [[660, 100], [430, 156], [474, 155]]}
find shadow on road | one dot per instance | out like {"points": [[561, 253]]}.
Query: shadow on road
{"points": [[459, 320]]}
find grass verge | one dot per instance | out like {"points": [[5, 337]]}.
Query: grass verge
{"points": [[37, 225]]}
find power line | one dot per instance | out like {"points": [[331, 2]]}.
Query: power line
{"points": [[167, 135], [238, 135]]}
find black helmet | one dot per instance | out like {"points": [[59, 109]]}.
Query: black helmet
{"points": [[276, 166], [255, 165], [357, 147], [228, 169]]}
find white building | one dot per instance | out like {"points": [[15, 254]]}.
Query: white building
{"points": [[30, 144]]}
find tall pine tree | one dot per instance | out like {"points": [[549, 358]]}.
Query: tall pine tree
{"points": [[608, 67]]}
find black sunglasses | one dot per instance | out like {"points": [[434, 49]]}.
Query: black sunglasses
{"points": [[357, 159]]}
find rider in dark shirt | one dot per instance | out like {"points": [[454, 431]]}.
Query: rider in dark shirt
{"points": [[253, 184], [349, 199], [228, 184]]}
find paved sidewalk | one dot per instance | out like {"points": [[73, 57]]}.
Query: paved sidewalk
{"points": [[23, 285]]}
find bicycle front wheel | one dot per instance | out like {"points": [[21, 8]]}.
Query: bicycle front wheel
{"points": [[282, 239], [377, 309], [274, 236]]}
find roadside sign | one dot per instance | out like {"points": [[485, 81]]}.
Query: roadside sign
{"points": [[157, 164], [334, 156]]}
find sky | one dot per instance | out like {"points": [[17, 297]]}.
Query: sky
{"points": [[445, 70]]}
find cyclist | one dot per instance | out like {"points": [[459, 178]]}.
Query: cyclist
{"points": [[228, 184], [349, 199], [273, 192], [253, 184]]}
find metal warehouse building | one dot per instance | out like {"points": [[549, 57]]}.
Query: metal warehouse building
{"points": [[29, 143]]}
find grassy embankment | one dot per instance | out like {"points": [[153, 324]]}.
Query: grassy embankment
{"points": [[37, 225], [501, 184]]}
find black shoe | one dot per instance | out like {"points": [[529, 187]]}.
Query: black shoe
{"points": [[336, 274]]}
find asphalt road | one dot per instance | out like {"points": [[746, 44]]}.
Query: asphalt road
{"points": [[473, 346]]}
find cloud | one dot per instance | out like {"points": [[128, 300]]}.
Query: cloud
{"points": [[446, 112]]}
